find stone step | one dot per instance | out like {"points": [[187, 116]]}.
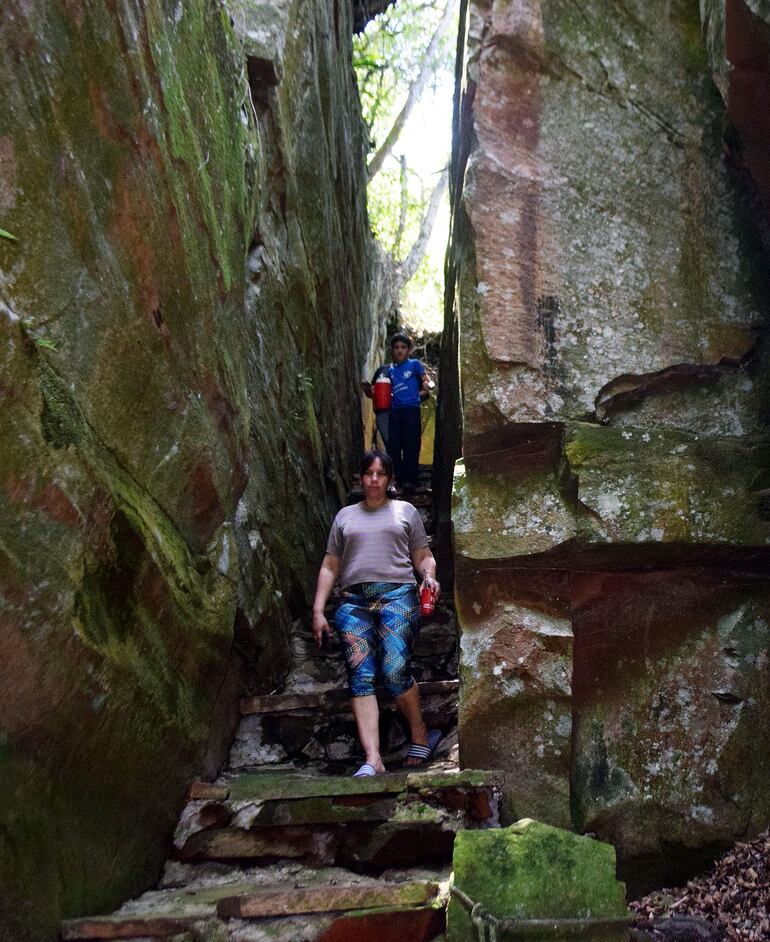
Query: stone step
{"points": [[118, 927], [279, 901], [336, 701], [360, 847], [412, 904], [369, 824], [276, 786], [318, 727], [156, 915], [413, 924]]}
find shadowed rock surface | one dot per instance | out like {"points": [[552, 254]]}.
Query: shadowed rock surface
{"points": [[607, 304], [193, 281]]}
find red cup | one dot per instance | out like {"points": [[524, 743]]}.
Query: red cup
{"points": [[427, 601]]}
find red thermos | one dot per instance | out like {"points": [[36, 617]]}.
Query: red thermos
{"points": [[382, 394], [427, 601]]}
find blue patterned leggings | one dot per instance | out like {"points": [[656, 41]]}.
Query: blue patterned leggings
{"points": [[378, 624]]}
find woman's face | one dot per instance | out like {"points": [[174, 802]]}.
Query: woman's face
{"points": [[375, 480]]}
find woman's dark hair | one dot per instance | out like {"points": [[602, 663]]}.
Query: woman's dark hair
{"points": [[385, 460], [401, 338]]}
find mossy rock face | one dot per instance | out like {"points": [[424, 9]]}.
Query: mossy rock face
{"points": [[496, 515], [531, 870], [663, 486], [591, 264], [617, 486], [170, 453], [607, 308]]}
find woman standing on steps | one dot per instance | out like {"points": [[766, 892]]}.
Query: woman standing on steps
{"points": [[374, 547]]}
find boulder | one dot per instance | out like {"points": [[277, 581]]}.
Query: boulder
{"points": [[534, 871], [671, 684]]}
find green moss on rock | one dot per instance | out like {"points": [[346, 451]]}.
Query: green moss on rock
{"points": [[532, 870]]}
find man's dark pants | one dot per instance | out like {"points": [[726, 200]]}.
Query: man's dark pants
{"points": [[404, 444]]}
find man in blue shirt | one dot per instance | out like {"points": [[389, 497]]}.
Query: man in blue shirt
{"points": [[409, 384]]}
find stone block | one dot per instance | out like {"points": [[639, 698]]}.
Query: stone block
{"points": [[417, 924], [531, 870], [671, 686], [515, 687], [664, 486], [613, 486]]}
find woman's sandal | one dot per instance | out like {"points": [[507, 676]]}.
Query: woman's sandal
{"points": [[423, 753], [366, 771]]}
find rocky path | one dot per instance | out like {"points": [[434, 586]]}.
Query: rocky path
{"points": [[286, 846]]}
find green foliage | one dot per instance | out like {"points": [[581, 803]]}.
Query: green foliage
{"points": [[423, 296], [387, 56], [384, 197], [8, 235]]}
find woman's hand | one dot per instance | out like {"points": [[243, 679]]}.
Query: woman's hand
{"points": [[327, 576], [430, 582], [320, 627], [425, 565]]}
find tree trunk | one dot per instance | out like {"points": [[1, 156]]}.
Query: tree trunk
{"points": [[405, 271], [414, 93], [404, 183]]}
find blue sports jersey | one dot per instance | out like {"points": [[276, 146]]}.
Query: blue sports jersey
{"points": [[405, 379]]}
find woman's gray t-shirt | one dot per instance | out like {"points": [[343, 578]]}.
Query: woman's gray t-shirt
{"points": [[376, 545]]}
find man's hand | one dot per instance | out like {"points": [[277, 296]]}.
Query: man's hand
{"points": [[320, 627], [367, 388]]}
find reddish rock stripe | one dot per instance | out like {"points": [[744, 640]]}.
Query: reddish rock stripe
{"points": [[105, 927], [206, 791]]}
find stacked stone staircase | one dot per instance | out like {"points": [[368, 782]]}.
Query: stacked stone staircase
{"points": [[286, 846]]}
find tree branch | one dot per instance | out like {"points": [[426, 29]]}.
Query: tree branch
{"points": [[406, 270], [415, 91], [404, 184]]}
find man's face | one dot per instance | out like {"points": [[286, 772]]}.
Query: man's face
{"points": [[400, 352]]}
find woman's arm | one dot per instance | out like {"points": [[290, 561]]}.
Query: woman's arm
{"points": [[425, 564], [327, 576]]}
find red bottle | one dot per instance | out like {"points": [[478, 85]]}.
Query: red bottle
{"points": [[382, 394], [427, 601]]}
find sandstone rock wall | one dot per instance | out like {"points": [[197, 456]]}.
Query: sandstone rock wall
{"points": [[609, 295], [183, 318]]}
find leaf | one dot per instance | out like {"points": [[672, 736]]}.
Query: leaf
{"points": [[44, 343], [8, 235]]}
